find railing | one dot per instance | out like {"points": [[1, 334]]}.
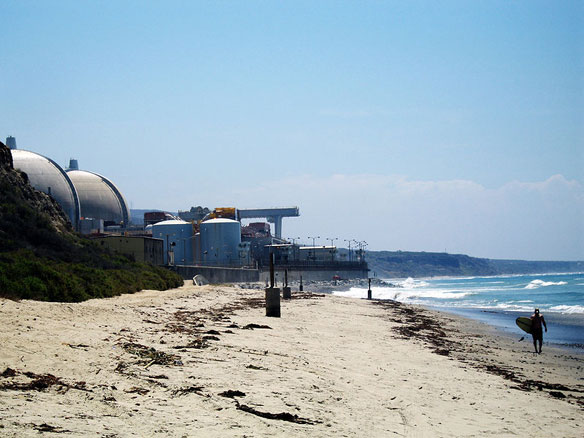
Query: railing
{"points": [[320, 264]]}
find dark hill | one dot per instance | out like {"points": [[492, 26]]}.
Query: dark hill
{"points": [[42, 258], [402, 264]]}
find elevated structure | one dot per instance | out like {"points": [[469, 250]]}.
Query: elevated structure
{"points": [[273, 215]]}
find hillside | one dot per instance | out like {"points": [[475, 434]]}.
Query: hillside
{"points": [[402, 264], [42, 258]]}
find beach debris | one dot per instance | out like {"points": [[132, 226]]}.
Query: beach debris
{"points": [[83, 346], [198, 343], [189, 389], [137, 390], [212, 332], [8, 372], [149, 355], [38, 382], [149, 321], [255, 367], [284, 416], [231, 393], [48, 428], [256, 326], [415, 323]]}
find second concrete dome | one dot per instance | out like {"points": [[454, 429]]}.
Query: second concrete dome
{"points": [[99, 198]]}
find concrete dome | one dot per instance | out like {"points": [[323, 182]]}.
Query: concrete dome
{"points": [[99, 198], [47, 176]]}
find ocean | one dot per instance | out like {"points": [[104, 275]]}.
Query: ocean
{"points": [[498, 301]]}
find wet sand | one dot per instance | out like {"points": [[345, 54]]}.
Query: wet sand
{"points": [[205, 361]]}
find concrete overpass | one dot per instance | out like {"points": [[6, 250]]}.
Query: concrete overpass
{"points": [[273, 215]]}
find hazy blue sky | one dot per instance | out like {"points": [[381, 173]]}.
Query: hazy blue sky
{"points": [[413, 125]]}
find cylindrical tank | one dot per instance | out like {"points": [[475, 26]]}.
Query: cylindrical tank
{"points": [[177, 235], [219, 242], [197, 248]]}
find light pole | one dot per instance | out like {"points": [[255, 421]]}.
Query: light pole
{"points": [[295, 252], [356, 243], [350, 258], [313, 244], [332, 239], [363, 250]]}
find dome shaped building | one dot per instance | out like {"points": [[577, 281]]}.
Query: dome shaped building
{"points": [[47, 176], [99, 198]]}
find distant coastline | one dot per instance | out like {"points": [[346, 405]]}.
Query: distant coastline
{"points": [[404, 264]]}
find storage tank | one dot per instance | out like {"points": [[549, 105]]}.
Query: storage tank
{"points": [[220, 239], [178, 245]]}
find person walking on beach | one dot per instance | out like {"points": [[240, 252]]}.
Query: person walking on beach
{"points": [[536, 321]]}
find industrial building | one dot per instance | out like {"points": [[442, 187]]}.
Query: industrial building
{"points": [[99, 198], [91, 201], [221, 243], [177, 236], [140, 248], [47, 176], [211, 241]]}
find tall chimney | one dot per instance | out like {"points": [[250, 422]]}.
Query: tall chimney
{"points": [[11, 142], [73, 164]]}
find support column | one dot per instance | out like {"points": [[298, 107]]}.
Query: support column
{"points": [[278, 226]]}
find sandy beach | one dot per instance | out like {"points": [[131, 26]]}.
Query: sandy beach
{"points": [[206, 361]]}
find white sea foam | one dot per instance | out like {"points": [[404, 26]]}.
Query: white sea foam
{"points": [[404, 294], [511, 306], [567, 309], [540, 283], [410, 283]]}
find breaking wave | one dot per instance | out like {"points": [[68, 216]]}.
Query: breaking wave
{"points": [[535, 284], [406, 295], [567, 309]]}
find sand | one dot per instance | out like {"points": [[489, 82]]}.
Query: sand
{"points": [[206, 361]]}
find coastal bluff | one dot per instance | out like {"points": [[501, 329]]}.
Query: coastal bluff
{"points": [[403, 264]]}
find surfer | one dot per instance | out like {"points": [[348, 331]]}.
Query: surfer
{"points": [[536, 321]]}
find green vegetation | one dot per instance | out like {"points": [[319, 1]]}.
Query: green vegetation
{"points": [[42, 259], [24, 275]]}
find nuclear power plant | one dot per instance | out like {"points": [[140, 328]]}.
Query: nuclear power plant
{"points": [[213, 243]]}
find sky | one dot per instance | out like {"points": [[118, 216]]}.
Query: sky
{"points": [[450, 126]]}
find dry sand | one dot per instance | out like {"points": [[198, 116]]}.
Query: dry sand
{"points": [[196, 361]]}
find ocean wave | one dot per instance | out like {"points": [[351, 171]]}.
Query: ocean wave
{"points": [[410, 283], [540, 283], [511, 307], [405, 295], [567, 309]]}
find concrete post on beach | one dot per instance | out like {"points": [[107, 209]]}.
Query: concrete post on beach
{"points": [[286, 291], [272, 294]]}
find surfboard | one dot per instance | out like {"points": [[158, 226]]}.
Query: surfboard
{"points": [[524, 323]]}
